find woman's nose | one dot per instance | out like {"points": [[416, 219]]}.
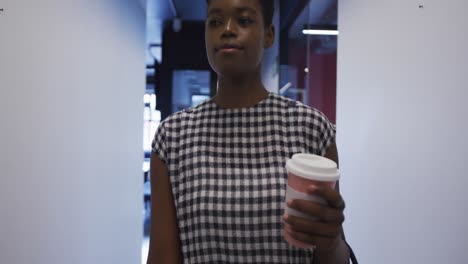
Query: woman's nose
{"points": [[230, 29]]}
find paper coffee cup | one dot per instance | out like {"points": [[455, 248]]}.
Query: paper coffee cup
{"points": [[305, 170]]}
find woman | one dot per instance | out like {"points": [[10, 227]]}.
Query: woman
{"points": [[217, 169]]}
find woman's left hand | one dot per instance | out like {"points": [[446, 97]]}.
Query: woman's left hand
{"points": [[325, 231]]}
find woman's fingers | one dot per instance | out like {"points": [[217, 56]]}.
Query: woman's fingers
{"points": [[332, 196], [323, 243], [323, 212], [324, 226], [307, 226]]}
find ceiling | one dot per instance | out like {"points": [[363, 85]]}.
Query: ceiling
{"points": [[158, 11], [317, 12]]}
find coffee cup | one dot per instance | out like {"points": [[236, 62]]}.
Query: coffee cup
{"points": [[305, 170]]}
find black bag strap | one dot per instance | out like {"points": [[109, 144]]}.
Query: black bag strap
{"points": [[352, 256]]}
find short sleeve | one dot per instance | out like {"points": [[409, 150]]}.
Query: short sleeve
{"points": [[159, 145], [326, 135]]}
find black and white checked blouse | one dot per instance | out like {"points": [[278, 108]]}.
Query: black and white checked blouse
{"points": [[226, 167]]}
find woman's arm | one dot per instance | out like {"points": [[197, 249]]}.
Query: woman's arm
{"points": [[164, 236], [341, 253]]}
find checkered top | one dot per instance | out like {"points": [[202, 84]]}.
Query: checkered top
{"points": [[226, 167]]}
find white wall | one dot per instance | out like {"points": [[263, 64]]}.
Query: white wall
{"points": [[402, 122], [72, 76]]}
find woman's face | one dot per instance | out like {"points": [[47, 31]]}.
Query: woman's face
{"points": [[236, 36]]}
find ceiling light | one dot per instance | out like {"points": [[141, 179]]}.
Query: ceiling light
{"points": [[320, 30]]}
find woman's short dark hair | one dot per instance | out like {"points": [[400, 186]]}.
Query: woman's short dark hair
{"points": [[268, 9]]}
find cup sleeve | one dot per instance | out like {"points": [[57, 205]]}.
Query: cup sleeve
{"points": [[159, 144]]}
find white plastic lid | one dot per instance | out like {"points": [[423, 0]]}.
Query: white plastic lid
{"points": [[313, 167]]}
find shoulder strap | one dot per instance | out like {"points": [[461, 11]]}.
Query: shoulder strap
{"points": [[351, 254]]}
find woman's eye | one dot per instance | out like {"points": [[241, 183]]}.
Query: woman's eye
{"points": [[245, 21], [214, 22]]}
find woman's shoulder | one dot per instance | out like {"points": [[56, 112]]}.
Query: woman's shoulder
{"points": [[299, 108], [178, 118]]}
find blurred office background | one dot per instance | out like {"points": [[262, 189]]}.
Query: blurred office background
{"points": [[84, 85]]}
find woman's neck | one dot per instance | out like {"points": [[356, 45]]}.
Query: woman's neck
{"points": [[240, 92]]}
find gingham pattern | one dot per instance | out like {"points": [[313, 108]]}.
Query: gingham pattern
{"points": [[226, 167]]}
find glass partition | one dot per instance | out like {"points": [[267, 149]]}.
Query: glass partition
{"points": [[309, 74]]}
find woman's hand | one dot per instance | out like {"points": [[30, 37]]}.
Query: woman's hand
{"points": [[325, 231]]}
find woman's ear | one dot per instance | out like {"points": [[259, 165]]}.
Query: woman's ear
{"points": [[269, 36]]}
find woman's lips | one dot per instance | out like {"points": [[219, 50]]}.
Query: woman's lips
{"points": [[229, 48]]}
